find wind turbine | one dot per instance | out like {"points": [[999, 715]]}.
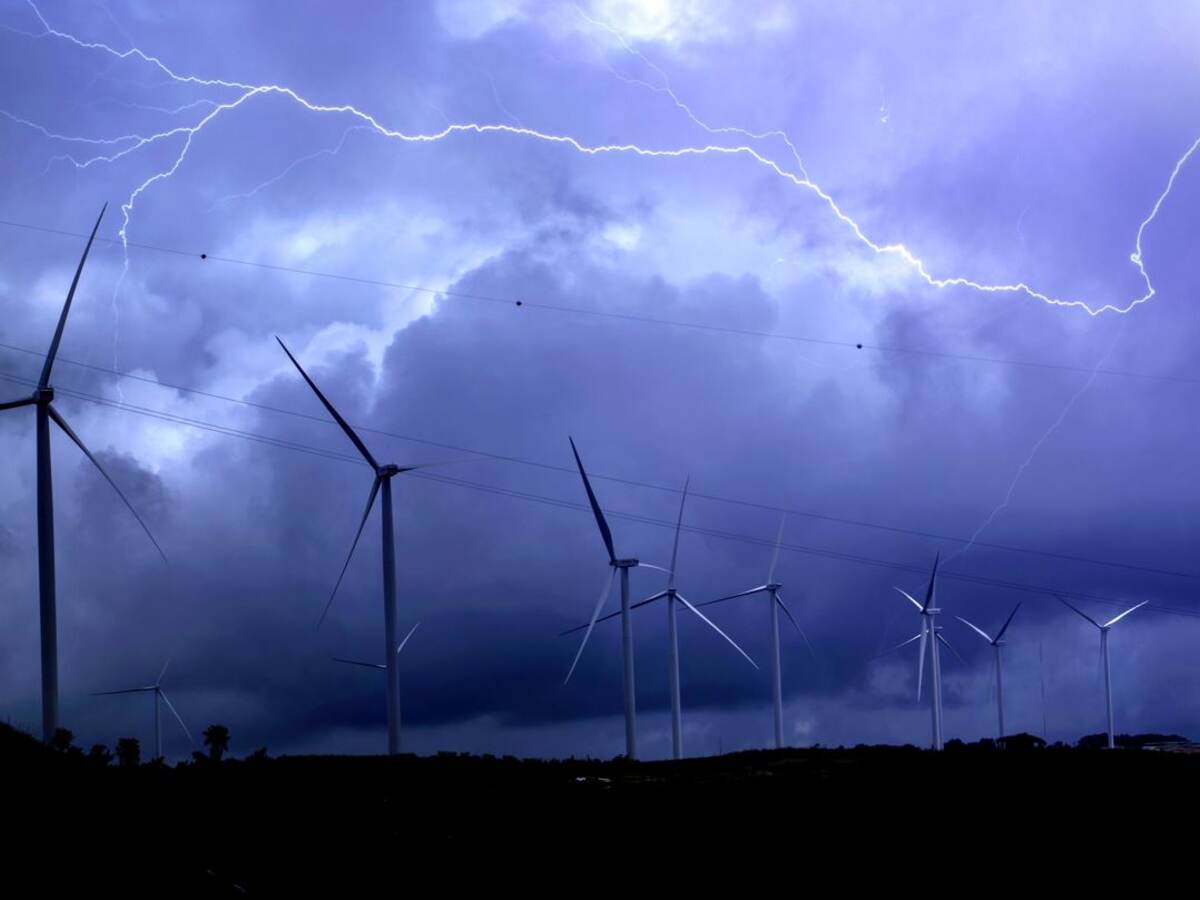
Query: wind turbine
{"points": [[929, 627], [384, 473], [771, 588], [159, 694], [43, 400], [355, 662], [1104, 654], [671, 595], [997, 642], [623, 566]]}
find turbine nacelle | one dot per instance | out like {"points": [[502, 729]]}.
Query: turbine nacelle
{"points": [[624, 563]]}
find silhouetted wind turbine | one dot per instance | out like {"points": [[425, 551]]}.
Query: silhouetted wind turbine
{"points": [[355, 662], [1104, 654], [623, 566], [929, 627], [43, 400], [771, 588], [159, 694], [383, 481], [996, 642], [671, 595]]}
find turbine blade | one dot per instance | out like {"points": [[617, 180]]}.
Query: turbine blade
{"points": [[787, 612], [646, 565], [950, 647], [44, 381], [592, 624], [137, 690], [678, 525], [924, 636], [757, 590], [915, 602], [613, 615], [406, 637], [932, 583], [175, 713], [915, 637], [355, 662], [1113, 621], [775, 553], [979, 631], [163, 672], [605, 533], [345, 426], [712, 625], [350, 555], [1007, 622], [1079, 611], [13, 404], [62, 423]]}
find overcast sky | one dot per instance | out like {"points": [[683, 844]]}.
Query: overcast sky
{"points": [[1021, 144]]}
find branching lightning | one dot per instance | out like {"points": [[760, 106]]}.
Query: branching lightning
{"points": [[242, 93]]}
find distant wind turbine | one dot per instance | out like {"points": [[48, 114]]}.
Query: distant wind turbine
{"points": [[381, 666], [1108, 705], [929, 627], [159, 695], [671, 595], [623, 566], [43, 400], [383, 481], [997, 642], [772, 588]]}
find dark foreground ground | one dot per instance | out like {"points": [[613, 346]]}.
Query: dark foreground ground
{"points": [[824, 821]]}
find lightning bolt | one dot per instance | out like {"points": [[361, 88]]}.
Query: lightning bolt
{"points": [[242, 93]]}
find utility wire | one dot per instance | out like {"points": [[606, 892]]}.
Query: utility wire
{"points": [[608, 314], [627, 516], [1009, 548]]}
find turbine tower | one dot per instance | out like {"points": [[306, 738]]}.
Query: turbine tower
{"points": [[930, 635], [772, 589], [617, 565], [997, 642], [159, 695], [43, 401], [384, 473], [1104, 629], [671, 595]]}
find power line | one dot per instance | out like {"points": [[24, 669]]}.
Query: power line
{"points": [[1009, 548], [626, 317], [627, 516]]}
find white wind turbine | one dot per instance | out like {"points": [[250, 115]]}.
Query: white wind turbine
{"points": [[929, 627], [671, 595], [159, 695], [43, 400], [772, 590], [623, 566], [384, 473], [996, 642], [1108, 706], [381, 666]]}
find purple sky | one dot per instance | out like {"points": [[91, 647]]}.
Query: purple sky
{"points": [[1017, 145]]}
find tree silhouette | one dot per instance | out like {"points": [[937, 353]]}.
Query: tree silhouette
{"points": [[216, 739], [62, 740], [99, 755], [129, 752]]}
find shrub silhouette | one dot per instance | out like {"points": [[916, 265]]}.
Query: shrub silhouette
{"points": [[216, 739]]}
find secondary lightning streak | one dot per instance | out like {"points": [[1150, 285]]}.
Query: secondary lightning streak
{"points": [[1054, 426], [799, 180]]}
